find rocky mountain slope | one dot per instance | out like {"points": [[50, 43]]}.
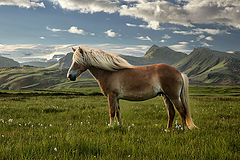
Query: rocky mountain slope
{"points": [[203, 65], [7, 62]]}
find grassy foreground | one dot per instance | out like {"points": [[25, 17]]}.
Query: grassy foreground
{"points": [[73, 125]]}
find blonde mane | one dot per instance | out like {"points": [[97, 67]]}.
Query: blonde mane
{"points": [[100, 59]]}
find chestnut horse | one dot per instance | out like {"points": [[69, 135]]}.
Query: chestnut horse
{"points": [[120, 80]]}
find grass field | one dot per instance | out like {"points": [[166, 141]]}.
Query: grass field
{"points": [[52, 124]]}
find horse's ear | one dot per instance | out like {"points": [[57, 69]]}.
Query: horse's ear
{"points": [[73, 49]]}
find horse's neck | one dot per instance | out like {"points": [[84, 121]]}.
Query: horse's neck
{"points": [[100, 75]]}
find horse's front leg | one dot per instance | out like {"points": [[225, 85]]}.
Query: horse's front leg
{"points": [[113, 108]]}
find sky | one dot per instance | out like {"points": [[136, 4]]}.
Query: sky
{"points": [[38, 29]]}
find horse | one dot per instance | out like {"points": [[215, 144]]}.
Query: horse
{"points": [[120, 80]]}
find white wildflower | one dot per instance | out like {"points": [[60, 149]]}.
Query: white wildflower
{"points": [[10, 120], [129, 127], [55, 149]]}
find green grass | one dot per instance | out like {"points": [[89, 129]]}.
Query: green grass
{"points": [[65, 124]]}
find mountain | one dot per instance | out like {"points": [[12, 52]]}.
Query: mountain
{"points": [[154, 55], [32, 78], [202, 65], [7, 62], [164, 55], [64, 62], [44, 64], [208, 66]]}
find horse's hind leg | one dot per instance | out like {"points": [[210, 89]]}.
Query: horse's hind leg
{"points": [[114, 108], [170, 110], [117, 110], [179, 106]]}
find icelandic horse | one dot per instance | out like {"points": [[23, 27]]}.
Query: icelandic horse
{"points": [[120, 80]]}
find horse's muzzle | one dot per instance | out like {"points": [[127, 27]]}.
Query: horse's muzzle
{"points": [[71, 77]]}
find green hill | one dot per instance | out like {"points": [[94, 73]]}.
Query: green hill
{"points": [[31, 78], [208, 66], [38, 64]]}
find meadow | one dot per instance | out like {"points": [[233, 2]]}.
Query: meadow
{"points": [[67, 124]]}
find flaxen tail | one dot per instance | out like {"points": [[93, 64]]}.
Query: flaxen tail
{"points": [[185, 101]]}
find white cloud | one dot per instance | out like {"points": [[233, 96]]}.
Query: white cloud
{"points": [[88, 6], [54, 29], [166, 36], [185, 32], [200, 37], [180, 48], [204, 44], [75, 30], [131, 25], [22, 3], [42, 37], [183, 43], [153, 25], [207, 30], [230, 52], [147, 38], [209, 38], [156, 12], [110, 33], [72, 29], [197, 31], [123, 49], [41, 52], [214, 11], [190, 12], [162, 41]]}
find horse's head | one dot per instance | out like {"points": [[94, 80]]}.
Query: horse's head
{"points": [[76, 68]]}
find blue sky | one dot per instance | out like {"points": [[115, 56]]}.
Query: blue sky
{"points": [[37, 29]]}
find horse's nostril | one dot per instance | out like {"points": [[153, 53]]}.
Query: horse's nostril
{"points": [[71, 77]]}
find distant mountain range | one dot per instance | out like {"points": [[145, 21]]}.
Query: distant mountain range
{"points": [[202, 65], [153, 56], [7, 62]]}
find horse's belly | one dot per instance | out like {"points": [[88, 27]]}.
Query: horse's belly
{"points": [[140, 95]]}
